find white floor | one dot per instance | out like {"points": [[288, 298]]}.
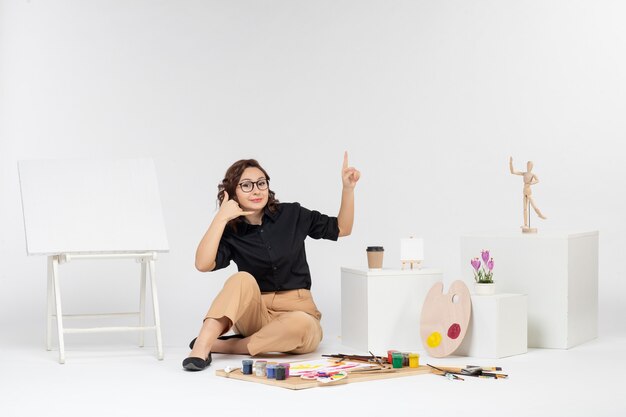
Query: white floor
{"points": [[587, 380]]}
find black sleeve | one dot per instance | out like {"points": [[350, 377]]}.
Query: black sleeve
{"points": [[320, 226], [223, 256]]}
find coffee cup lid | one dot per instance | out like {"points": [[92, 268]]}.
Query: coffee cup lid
{"points": [[375, 249]]}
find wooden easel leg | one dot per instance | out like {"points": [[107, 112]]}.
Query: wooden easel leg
{"points": [[59, 310], [142, 302], [49, 305], [155, 307]]}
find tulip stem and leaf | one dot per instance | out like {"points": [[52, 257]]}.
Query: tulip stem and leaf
{"points": [[483, 271]]}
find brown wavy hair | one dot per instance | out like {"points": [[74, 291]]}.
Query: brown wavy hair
{"points": [[231, 181]]}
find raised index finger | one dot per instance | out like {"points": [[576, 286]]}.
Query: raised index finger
{"points": [[345, 160]]}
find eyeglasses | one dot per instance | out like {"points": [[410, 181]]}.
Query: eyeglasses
{"points": [[248, 186]]}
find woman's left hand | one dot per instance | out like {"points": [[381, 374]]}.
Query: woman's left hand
{"points": [[349, 175]]}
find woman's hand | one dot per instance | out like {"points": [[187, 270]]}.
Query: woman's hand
{"points": [[207, 249], [349, 175], [229, 209]]}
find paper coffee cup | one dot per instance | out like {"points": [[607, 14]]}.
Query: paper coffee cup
{"points": [[375, 257]]}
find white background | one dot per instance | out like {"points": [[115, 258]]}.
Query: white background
{"points": [[429, 97]]}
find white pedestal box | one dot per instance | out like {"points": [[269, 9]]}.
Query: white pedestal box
{"points": [[498, 327], [380, 309], [557, 270]]}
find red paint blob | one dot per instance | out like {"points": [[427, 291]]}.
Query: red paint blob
{"points": [[454, 331]]}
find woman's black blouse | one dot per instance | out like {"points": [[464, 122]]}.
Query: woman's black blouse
{"points": [[273, 252]]}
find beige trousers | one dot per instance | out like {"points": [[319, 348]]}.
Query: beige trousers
{"points": [[284, 321]]}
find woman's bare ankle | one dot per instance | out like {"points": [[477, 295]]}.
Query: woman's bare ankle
{"points": [[231, 346]]}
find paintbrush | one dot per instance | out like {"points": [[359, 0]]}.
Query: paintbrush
{"points": [[494, 375], [473, 371], [355, 358], [449, 375], [376, 359], [485, 368], [464, 371], [371, 371]]}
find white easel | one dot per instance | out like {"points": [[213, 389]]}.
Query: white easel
{"points": [[94, 210]]}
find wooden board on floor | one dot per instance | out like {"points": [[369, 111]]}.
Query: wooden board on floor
{"points": [[297, 383]]}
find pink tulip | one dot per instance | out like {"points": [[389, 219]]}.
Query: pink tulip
{"points": [[490, 265], [475, 263], [485, 255]]}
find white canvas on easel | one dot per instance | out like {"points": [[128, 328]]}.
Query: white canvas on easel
{"points": [[95, 205], [93, 209]]}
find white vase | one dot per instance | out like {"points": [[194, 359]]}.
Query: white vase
{"points": [[484, 289]]}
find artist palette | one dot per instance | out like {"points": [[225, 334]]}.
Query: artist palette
{"points": [[445, 318]]}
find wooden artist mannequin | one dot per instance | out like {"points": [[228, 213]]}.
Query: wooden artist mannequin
{"points": [[529, 179]]}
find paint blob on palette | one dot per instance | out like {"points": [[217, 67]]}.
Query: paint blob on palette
{"points": [[326, 377], [445, 318]]}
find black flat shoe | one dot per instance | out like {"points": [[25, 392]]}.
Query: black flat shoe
{"points": [[230, 336], [196, 364]]}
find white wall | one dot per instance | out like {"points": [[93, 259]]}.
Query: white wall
{"points": [[429, 97]]}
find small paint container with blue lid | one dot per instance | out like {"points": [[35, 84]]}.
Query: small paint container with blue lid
{"points": [[271, 371], [246, 366]]}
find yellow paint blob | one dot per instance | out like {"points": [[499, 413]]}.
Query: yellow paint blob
{"points": [[433, 340]]}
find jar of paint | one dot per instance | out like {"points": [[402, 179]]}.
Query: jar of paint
{"points": [[271, 371], [286, 365], [396, 358], [280, 373], [260, 368], [389, 355], [414, 360], [246, 366], [405, 359]]}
